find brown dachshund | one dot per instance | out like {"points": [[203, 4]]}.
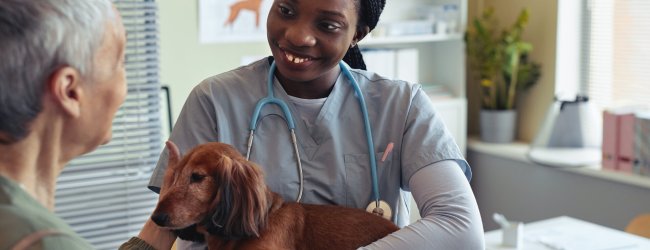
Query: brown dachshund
{"points": [[224, 196]]}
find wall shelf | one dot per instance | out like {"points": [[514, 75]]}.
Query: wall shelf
{"points": [[410, 39], [435, 60]]}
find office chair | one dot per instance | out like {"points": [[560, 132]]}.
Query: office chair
{"points": [[639, 225]]}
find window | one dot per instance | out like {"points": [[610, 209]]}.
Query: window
{"points": [[603, 50], [103, 195]]}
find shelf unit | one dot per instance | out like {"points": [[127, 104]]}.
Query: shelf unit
{"points": [[409, 40], [441, 58]]}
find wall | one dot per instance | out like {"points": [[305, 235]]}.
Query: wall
{"points": [[541, 33], [185, 62], [527, 192]]}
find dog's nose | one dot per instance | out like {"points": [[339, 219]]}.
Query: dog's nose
{"points": [[160, 218]]}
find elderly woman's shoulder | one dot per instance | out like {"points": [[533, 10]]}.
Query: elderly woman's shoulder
{"points": [[46, 229]]}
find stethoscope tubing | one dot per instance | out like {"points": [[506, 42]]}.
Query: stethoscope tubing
{"points": [[366, 124], [271, 99]]}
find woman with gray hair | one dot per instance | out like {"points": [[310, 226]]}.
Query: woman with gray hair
{"points": [[62, 79]]}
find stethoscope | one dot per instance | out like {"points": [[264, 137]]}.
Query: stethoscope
{"points": [[380, 207]]}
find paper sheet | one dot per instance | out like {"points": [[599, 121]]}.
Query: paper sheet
{"points": [[567, 235]]}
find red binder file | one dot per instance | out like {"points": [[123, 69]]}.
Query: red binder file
{"points": [[618, 140], [609, 148], [626, 133]]}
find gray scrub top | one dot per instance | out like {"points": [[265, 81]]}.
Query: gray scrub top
{"points": [[334, 151]]}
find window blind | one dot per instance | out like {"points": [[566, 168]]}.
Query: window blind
{"points": [[103, 194], [616, 56]]}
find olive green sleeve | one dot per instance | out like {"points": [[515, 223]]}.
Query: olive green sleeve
{"points": [[136, 243]]}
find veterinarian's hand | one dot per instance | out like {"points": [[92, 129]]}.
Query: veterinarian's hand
{"points": [[157, 237]]}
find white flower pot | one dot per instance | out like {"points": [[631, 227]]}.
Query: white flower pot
{"points": [[498, 126]]}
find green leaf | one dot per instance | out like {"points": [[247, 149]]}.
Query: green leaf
{"points": [[500, 56]]}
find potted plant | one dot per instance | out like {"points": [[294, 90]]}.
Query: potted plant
{"points": [[499, 60]]}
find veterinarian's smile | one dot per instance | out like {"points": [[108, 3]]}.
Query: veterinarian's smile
{"points": [[295, 59]]}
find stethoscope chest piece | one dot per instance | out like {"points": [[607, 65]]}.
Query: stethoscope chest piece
{"points": [[382, 210]]}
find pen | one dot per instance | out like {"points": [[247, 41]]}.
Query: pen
{"points": [[389, 148]]}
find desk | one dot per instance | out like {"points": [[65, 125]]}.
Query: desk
{"points": [[568, 233]]}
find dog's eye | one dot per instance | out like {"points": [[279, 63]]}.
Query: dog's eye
{"points": [[196, 177]]}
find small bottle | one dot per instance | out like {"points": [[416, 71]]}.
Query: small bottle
{"points": [[451, 16], [440, 19]]}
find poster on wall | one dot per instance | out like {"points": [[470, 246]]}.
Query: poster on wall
{"points": [[227, 21]]}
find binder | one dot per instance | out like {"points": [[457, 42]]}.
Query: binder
{"points": [[609, 146], [398, 64], [380, 61], [642, 144], [407, 66], [618, 140], [626, 143]]}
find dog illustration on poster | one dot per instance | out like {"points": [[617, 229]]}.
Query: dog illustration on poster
{"points": [[233, 21], [241, 5]]}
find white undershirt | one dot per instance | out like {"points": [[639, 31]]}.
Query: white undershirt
{"points": [[308, 109]]}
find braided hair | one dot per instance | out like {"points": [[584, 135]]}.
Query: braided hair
{"points": [[369, 12]]}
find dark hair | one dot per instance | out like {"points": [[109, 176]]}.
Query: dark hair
{"points": [[369, 12]]}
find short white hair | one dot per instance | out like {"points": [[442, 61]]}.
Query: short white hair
{"points": [[39, 37]]}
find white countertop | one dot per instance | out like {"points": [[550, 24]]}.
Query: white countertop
{"points": [[569, 233], [519, 151]]}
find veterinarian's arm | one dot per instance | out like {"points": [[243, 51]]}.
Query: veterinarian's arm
{"points": [[450, 215], [151, 237]]}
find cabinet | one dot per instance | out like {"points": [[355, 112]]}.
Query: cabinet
{"points": [[433, 28]]}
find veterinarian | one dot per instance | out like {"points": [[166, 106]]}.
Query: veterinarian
{"points": [[62, 80], [414, 151]]}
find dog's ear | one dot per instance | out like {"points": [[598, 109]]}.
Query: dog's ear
{"points": [[242, 206], [172, 165], [174, 154]]}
